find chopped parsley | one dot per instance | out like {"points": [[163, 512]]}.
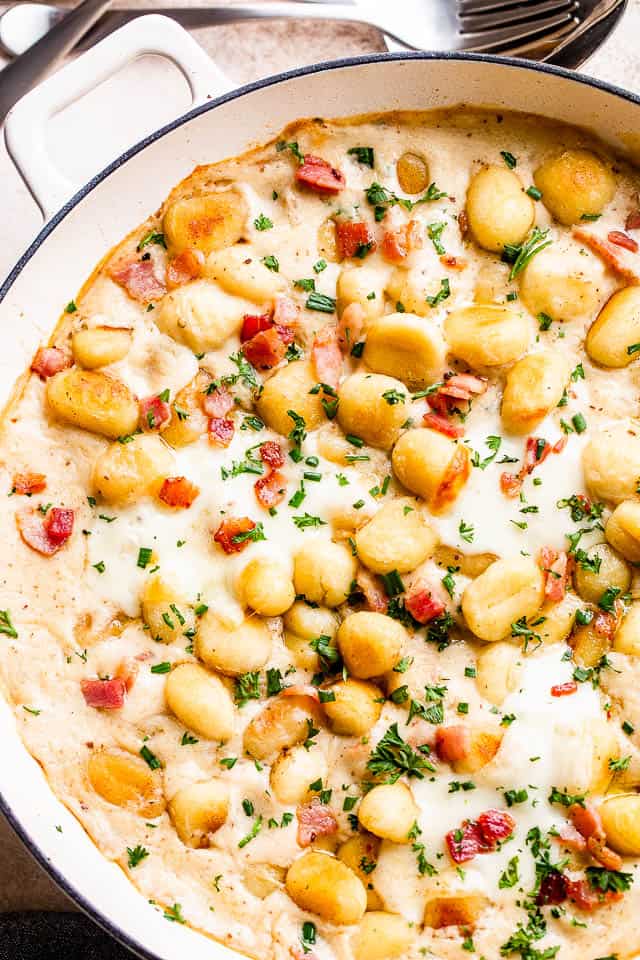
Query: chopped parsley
{"points": [[509, 159], [262, 223], [136, 855], [6, 625], [519, 255], [363, 155], [320, 302], [393, 757], [443, 293]]}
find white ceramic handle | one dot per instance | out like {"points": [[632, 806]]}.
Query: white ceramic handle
{"points": [[26, 123]]}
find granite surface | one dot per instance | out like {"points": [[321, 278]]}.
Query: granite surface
{"points": [[245, 52]]}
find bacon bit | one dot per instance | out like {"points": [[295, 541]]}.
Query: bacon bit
{"points": [[218, 403], [271, 454], [185, 267], [463, 223], [553, 889], [326, 356], [556, 567], [586, 898], [371, 586], [27, 484], [536, 452], [154, 413], [455, 477], [588, 822], [457, 392], [564, 689], [400, 241], [608, 252], [453, 743], [220, 431], [470, 842], [178, 492], [270, 490], [437, 422], [253, 324], [452, 263], [104, 694], [128, 671], [32, 529], [350, 326], [58, 524], [232, 527], [140, 280], [354, 238], [605, 624], [285, 311], [50, 360], [569, 837], [633, 220], [315, 820], [560, 444], [266, 349], [496, 826], [622, 240], [422, 604], [319, 175]]}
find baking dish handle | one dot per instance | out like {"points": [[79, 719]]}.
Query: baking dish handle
{"points": [[25, 125]]}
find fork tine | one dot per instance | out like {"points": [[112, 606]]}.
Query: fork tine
{"points": [[465, 7], [487, 39], [473, 23]]}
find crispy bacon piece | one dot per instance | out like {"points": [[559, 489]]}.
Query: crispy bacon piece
{"points": [[588, 822], [154, 413], [178, 492], [569, 837], [466, 842], [49, 361], [423, 603], [326, 356], [453, 742], [26, 484], [270, 490], [104, 694], [354, 238], [435, 421], [553, 889], [375, 597], [233, 527], [556, 568], [560, 444], [622, 240], [605, 624], [271, 454], [315, 820], [608, 252], [633, 220], [218, 403], [58, 524], [220, 431], [350, 326], [586, 898], [185, 267], [455, 477], [253, 324], [268, 347], [140, 280], [479, 836], [319, 175], [399, 241], [536, 452], [457, 392], [564, 689]]}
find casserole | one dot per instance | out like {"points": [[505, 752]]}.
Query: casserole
{"points": [[99, 215]]}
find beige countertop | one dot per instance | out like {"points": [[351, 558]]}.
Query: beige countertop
{"points": [[244, 52]]}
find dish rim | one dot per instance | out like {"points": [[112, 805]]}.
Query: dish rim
{"points": [[118, 933]]}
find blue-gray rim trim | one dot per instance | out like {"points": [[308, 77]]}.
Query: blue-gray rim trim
{"points": [[79, 898]]}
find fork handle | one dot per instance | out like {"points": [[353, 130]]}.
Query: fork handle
{"points": [[27, 70]]}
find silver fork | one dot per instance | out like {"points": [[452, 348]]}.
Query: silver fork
{"points": [[476, 25]]}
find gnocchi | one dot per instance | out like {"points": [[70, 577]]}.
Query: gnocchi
{"points": [[498, 209], [507, 591], [575, 184], [431, 465], [406, 347], [200, 701], [93, 401], [487, 335], [198, 811], [370, 643], [368, 411], [612, 340], [205, 223]]}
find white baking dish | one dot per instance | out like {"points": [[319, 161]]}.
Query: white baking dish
{"points": [[106, 208]]}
